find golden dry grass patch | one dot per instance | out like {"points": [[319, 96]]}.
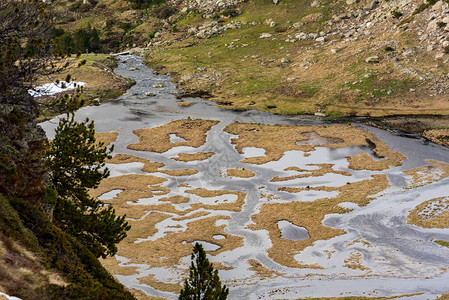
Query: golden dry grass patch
{"points": [[322, 170], [261, 271], [220, 266], [240, 172], [134, 187], [310, 216], [141, 295], [144, 228], [169, 249], [433, 213], [230, 206], [178, 199], [193, 156], [424, 175], [106, 137], [157, 139], [112, 265], [150, 167], [185, 103], [159, 285], [439, 136], [277, 139], [197, 214], [354, 261]]}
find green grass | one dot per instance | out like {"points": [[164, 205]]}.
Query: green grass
{"points": [[442, 243], [380, 88]]}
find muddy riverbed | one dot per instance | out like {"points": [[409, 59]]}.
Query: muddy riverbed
{"points": [[286, 206]]}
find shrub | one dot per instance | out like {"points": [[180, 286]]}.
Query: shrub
{"points": [[441, 24], [446, 50], [164, 11], [396, 14]]}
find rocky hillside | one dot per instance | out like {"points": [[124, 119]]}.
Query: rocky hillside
{"points": [[338, 58]]}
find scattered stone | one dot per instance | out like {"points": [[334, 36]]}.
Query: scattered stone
{"points": [[192, 30], [265, 35], [315, 4], [409, 53], [276, 2], [373, 59], [285, 60]]}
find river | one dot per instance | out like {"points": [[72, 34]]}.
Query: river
{"points": [[378, 254]]}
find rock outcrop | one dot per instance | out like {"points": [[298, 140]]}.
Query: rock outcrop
{"points": [[22, 149]]}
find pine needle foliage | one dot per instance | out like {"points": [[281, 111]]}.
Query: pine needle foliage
{"points": [[77, 164], [203, 283]]}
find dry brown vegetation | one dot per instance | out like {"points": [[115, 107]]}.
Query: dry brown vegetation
{"points": [[276, 139], [242, 173], [185, 103], [150, 167], [169, 249], [134, 187], [22, 272], [161, 286], [354, 261], [323, 169], [157, 139], [427, 174], [439, 136], [310, 215], [193, 156], [230, 206], [261, 271], [111, 264], [433, 213], [106, 137]]}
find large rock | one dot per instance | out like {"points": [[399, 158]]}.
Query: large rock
{"points": [[373, 59], [265, 35]]}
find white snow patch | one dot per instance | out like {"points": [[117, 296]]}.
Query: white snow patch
{"points": [[54, 88], [9, 297]]}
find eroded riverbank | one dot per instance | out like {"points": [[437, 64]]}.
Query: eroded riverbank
{"points": [[349, 186]]}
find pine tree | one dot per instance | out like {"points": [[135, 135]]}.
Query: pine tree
{"points": [[203, 283], [77, 163]]}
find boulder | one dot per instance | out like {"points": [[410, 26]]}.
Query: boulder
{"points": [[373, 59]]}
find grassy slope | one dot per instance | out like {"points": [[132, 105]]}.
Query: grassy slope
{"points": [[251, 75], [101, 83], [39, 261], [333, 83]]}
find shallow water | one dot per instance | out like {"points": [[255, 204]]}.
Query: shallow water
{"points": [[400, 259]]}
